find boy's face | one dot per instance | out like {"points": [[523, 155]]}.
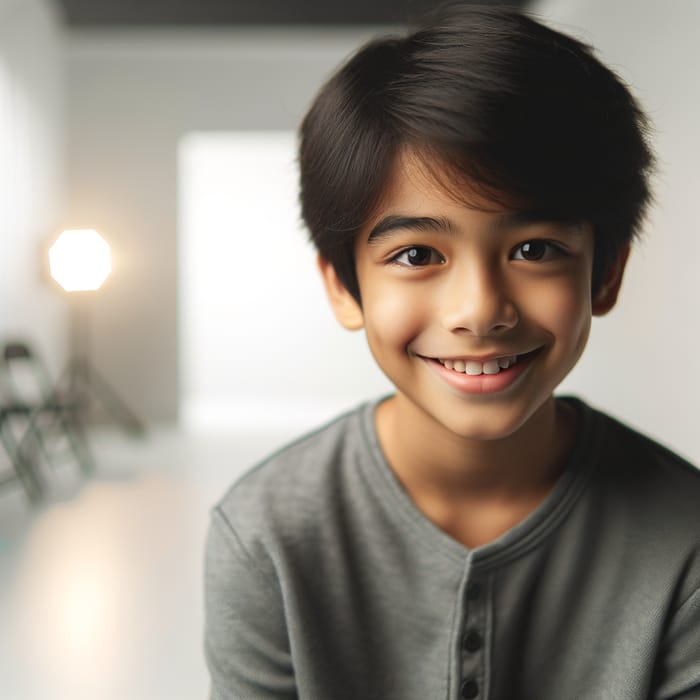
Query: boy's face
{"points": [[474, 316]]}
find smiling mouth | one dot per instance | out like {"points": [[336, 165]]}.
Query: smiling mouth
{"points": [[494, 366]]}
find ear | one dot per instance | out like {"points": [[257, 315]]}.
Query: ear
{"points": [[345, 307], [607, 293]]}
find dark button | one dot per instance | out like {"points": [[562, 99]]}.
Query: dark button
{"points": [[472, 641], [473, 591], [470, 688]]}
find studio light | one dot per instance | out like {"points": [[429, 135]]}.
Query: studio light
{"points": [[80, 260]]}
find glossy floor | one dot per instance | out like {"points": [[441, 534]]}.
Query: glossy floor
{"points": [[100, 587]]}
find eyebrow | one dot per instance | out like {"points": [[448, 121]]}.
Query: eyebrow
{"points": [[389, 224], [386, 226]]}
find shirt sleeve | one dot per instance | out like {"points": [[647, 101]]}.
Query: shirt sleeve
{"points": [[246, 641], [679, 674]]}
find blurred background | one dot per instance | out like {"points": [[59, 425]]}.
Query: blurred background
{"points": [[169, 128]]}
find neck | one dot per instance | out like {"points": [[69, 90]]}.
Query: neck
{"points": [[433, 463]]}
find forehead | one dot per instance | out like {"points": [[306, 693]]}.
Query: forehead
{"points": [[425, 188], [415, 176]]}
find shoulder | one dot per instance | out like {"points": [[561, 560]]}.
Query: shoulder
{"points": [[647, 473], [641, 452], [640, 509], [290, 494]]}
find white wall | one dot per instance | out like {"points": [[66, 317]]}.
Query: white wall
{"points": [[31, 170], [131, 96], [641, 362]]}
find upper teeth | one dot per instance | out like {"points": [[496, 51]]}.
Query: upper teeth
{"points": [[475, 367]]}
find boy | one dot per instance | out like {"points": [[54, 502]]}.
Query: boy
{"points": [[472, 189]]}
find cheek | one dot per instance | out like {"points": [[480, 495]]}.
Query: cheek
{"points": [[565, 312], [395, 317]]}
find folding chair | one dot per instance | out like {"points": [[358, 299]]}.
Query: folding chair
{"points": [[48, 417], [21, 468]]}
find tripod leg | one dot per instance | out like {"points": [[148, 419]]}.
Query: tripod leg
{"points": [[34, 431], [77, 439], [114, 404]]}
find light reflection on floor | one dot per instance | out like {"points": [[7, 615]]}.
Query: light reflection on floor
{"points": [[100, 589]]}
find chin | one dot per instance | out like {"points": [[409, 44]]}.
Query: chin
{"points": [[483, 426], [483, 433], [485, 421]]}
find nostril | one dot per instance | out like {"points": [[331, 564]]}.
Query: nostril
{"points": [[480, 315]]}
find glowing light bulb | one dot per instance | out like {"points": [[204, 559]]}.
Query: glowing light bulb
{"points": [[80, 260]]}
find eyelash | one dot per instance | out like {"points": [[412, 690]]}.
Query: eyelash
{"points": [[555, 250], [406, 251], [552, 250]]}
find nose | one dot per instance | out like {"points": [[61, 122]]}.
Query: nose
{"points": [[477, 301]]}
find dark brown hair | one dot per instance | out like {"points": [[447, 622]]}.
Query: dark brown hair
{"points": [[522, 112]]}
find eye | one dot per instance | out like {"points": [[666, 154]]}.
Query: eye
{"points": [[537, 250], [418, 256]]}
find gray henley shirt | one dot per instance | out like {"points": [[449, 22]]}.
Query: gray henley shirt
{"points": [[323, 581]]}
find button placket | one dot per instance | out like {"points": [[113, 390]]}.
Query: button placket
{"points": [[473, 590], [472, 641]]}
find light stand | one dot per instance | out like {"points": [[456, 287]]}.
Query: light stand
{"points": [[83, 383], [80, 261]]}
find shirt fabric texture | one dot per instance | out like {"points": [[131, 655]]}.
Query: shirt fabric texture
{"points": [[323, 581]]}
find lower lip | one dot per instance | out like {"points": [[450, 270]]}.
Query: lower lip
{"points": [[482, 383]]}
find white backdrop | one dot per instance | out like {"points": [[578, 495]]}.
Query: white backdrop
{"points": [[259, 345]]}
